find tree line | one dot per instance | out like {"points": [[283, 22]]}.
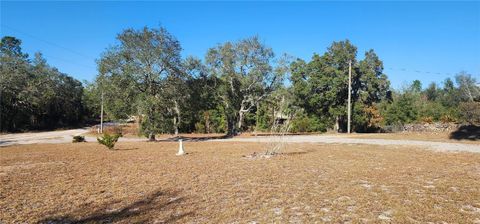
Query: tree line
{"points": [[35, 95], [238, 86]]}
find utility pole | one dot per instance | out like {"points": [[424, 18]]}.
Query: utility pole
{"points": [[101, 116], [349, 95]]}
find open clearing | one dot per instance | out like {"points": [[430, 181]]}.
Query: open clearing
{"points": [[214, 183]]}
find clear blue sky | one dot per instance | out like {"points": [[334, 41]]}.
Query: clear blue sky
{"points": [[429, 41]]}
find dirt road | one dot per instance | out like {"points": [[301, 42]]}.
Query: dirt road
{"points": [[41, 137], [336, 139], [66, 136]]}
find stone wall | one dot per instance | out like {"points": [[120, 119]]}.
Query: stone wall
{"points": [[433, 127]]}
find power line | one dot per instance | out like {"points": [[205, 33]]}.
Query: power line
{"points": [[91, 58], [420, 72], [56, 45], [68, 61], [49, 42]]}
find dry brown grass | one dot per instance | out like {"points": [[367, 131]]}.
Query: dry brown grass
{"points": [[214, 183]]}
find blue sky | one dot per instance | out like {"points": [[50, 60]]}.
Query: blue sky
{"points": [[429, 41]]}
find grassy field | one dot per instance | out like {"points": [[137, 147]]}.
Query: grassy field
{"points": [[215, 183]]}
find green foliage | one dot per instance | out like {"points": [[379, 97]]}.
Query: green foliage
{"points": [[239, 87], [449, 95], [447, 119], [155, 118], [204, 113], [304, 123], [35, 95], [91, 98], [448, 104], [78, 138], [431, 109], [403, 110], [432, 92], [246, 76], [143, 75], [320, 86], [470, 112], [109, 140], [264, 117], [452, 103], [416, 86], [467, 87], [211, 121], [366, 118]]}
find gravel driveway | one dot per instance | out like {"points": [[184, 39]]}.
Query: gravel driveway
{"points": [[66, 137], [41, 137], [330, 139]]}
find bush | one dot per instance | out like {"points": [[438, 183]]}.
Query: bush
{"points": [[78, 138], [304, 123], [447, 119], [470, 112], [426, 120], [402, 111], [109, 140]]}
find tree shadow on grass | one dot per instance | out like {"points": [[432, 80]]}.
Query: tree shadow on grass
{"points": [[146, 210], [126, 148], [294, 153], [5, 143], [468, 132]]}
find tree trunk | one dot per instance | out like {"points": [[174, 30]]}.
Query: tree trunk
{"points": [[231, 128], [240, 120], [337, 124], [175, 126], [206, 116], [176, 119], [469, 93], [151, 137], [257, 116]]}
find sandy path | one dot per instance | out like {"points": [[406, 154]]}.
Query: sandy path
{"points": [[51, 137], [41, 137], [66, 136]]}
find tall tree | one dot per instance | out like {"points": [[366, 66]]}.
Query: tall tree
{"points": [[147, 62], [432, 92], [247, 76], [372, 87], [468, 87], [34, 95], [203, 99], [14, 77], [321, 86], [326, 78], [416, 86]]}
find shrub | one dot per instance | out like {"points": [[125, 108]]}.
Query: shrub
{"points": [[78, 138], [447, 119], [426, 120], [402, 111], [199, 127], [470, 112], [304, 123], [109, 140]]}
